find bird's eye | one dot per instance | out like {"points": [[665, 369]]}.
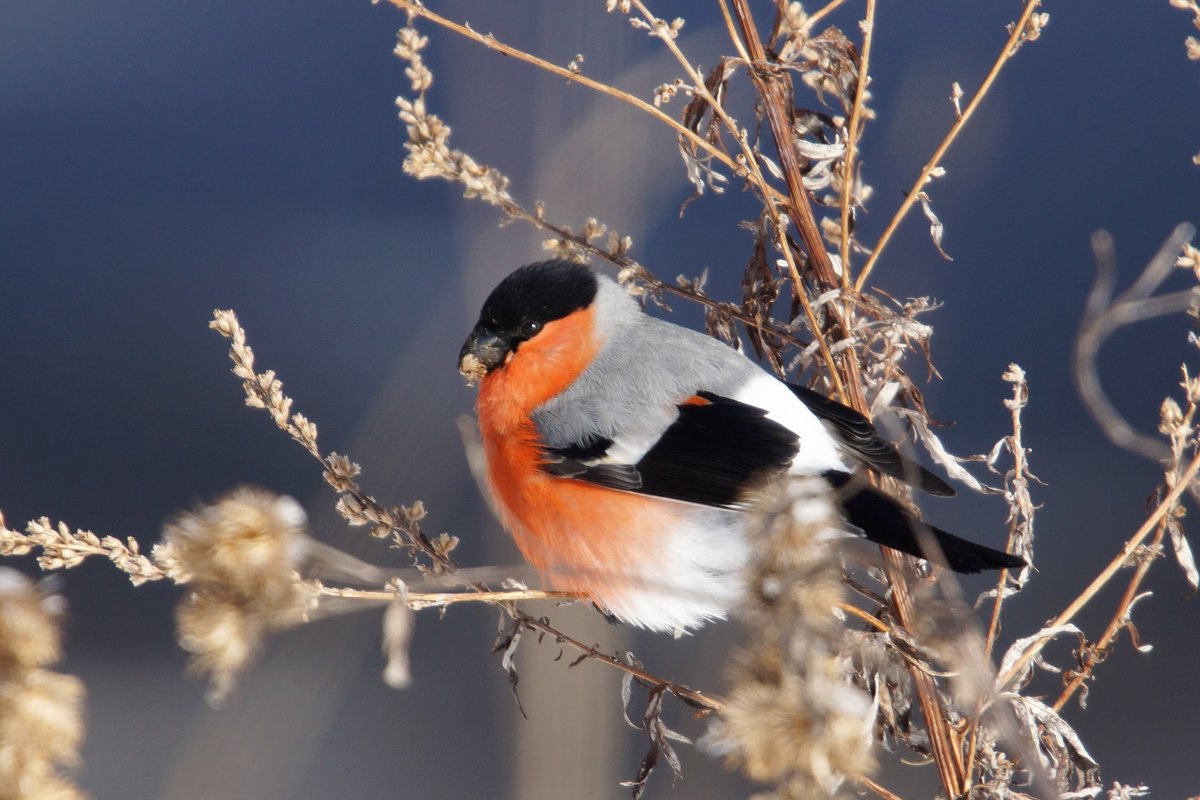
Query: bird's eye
{"points": [[530, 328]]}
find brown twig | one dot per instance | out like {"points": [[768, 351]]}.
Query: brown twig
{"points": [[822, 12], [946, 755], [685, 693], [1114, 566], [1115, 624], [1181, 438], [777, 102], [886, 794], [774, 89], [853, 132], [914, 194]]}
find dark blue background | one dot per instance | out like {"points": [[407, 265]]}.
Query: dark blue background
{"points": [[163, 159]]}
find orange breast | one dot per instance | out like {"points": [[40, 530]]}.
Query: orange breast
{"points": [[582, 536]]}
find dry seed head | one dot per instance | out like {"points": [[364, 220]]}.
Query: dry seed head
{"points": [[222, 636], [241, 554], [40, 716], [801, 731], [29, 634], [791, 717], [248, 542]]}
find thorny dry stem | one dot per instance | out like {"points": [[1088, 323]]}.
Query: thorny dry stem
{"points": [[1120, 561], [1020, 32], [1020, 524], [1092, 654]]}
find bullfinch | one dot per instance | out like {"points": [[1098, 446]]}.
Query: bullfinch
{"points": [[619, 450]]}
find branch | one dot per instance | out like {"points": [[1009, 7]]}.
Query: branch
{"points": [[1020, 32], [1103, 316], [1114, 566], [853, 132]]}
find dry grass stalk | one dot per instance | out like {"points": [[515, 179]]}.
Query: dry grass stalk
{"points": [[1027, 28]]}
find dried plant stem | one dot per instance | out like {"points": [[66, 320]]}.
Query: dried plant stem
{"points": [[1118, 621], [823, 12], [732, 31], [914, 193], [420, 600], [853, 132], [872, 620], [1020, 482], [946, 755], [776, 100], [1020, 468], [1148, 527], [867, 783], [688, 695], [774, 88]]}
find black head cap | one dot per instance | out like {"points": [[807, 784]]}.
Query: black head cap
{"points": [[542, 292], [523, 303]]}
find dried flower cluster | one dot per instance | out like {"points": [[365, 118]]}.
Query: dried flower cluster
{"points": [[239, 558], [429, 151], [41, 712], [63, 548], [791, 718]]}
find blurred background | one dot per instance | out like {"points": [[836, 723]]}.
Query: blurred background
{"points": [[164, 159]]}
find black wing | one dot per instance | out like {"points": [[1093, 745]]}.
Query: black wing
{"points": [[861, 439], [712, 454], [884, 522]]}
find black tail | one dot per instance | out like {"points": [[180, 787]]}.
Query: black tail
{"points": [[884, 522]]}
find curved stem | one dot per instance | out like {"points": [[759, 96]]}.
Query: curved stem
{"points": [[915, 192]]}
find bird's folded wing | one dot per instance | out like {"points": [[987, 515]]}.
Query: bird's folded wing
{"points": [[860, 439], [712, 454]]}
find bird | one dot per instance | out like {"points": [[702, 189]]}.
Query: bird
{"points": [[620, 449]]}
